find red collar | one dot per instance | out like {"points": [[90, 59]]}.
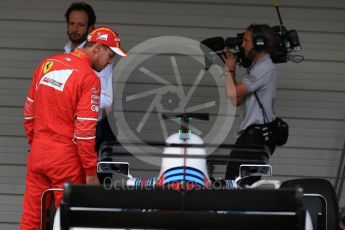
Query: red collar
{"points": [[82, 55]]}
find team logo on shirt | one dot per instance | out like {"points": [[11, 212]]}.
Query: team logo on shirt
{"points": [[47, 66]]}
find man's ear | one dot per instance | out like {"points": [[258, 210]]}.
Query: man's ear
{"points": [[97, 48]]}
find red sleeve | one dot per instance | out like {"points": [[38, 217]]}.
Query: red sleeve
{"points": [[29, 107], [85, 123]]}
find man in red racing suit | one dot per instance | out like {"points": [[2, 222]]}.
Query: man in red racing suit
{"points": [[60, 116]]}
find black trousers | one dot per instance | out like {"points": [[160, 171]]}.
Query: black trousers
{"points": [[251, 138], [104, 132]]}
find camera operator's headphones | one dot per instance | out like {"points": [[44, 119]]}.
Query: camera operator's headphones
{"points": [[259, 40]]}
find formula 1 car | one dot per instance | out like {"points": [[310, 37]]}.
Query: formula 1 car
{"points": [[184, 195]]}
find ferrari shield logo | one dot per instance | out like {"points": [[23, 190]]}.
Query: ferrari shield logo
{"points": [[47, 66]]}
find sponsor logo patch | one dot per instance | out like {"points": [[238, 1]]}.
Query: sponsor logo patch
{"points": [[95, 90], [56, 79], [94, 108], [95, 99], [103, 37], [77, 53]]}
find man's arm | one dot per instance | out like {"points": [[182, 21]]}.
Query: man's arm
{"points": [[234, 90], [85, 125], [29, 107]]}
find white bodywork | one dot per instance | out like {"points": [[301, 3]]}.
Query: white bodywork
{"points": [[171, 162]]}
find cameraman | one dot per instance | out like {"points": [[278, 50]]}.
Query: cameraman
{"points": [[260, 79]]}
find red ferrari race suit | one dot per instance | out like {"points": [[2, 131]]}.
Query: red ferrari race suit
{"points": [[60, 116]]}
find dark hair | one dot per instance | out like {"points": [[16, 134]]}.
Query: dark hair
{"points": [[82, 6], [266, 32]]}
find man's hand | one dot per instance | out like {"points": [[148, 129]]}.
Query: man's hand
{"points": [[93, 179], [229, 60]]}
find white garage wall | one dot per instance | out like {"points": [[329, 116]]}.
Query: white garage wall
{"points": [[311, 94]]}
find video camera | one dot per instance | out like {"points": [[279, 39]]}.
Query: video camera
{"points": [[286, 42]]}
